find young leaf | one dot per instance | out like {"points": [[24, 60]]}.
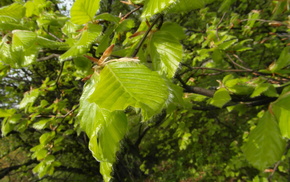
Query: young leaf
{"points": [[29, 98], [188, 5], [106, 169], [82, 45], [109, 129], [265, 144], [152, 7], [284, 60], [22, 39], [221, 97], [104, 128], [166, 52], [128, 83], [174, 29], [84, 11], [11, 13]]}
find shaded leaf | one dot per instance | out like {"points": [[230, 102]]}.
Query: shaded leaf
{"points": [[284, 60], [221, 97], [174, 29], [265, 145]]}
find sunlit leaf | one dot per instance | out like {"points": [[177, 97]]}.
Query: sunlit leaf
{"points": [[84, 11], [153, 7], [106, 169], [128, 83], [23, 39], [11, 13], [188, 5], [29, 98], [166, 52], [83, 44], [104, 128], [265, 145]]}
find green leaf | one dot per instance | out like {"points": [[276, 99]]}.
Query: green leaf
{"points": [[47, 43], [6, 127], [11, 13], [104, 128], [88, 110], [6, 112], [281, 110], [174, 29], [40, 124], [221, 97], [265, 144], [125, 25], [283, 60], [261, 88], [46, 137], [126, 83], [188, 5], [84, 11], [106, 169], [83, 44], [35, 7], [22, 39], [166, 52], [29, 98], [108, 17], [17, 59], [109, 129], [153, 7], [226, 5], [11, 26]]}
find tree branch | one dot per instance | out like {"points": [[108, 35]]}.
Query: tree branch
{"points": [[145, 36]]}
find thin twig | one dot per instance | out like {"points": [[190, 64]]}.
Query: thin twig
{"points": [[49, 33], [58, 77], [145, 36], [131, 12], [238, 65], [221, 70], [48, 57]]}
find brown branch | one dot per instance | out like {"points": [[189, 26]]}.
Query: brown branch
{"points": [[48, 57], [157, 121], [221, 70], [131, 12], [145, 36]]}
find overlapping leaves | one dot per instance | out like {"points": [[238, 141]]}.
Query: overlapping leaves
{"points": [[128, 83], [121, 83], [82, 45]]}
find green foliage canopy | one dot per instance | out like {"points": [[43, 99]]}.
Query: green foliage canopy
{"points": [[145, 90]]}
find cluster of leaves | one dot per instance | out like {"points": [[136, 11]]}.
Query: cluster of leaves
{"points": [[169, 85]]}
